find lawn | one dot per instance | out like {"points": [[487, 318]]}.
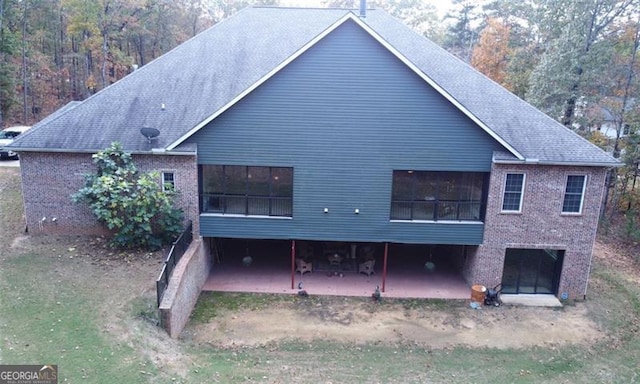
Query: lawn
{"points": [[74, 302]]}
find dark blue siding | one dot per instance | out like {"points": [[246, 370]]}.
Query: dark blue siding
{"points": [[345, 114]]}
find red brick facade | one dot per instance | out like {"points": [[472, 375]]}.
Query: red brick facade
{"points": [[540, 225], [54, 177]]}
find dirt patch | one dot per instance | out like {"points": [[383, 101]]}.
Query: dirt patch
{"points": [[362, 322], [440, 325], [618, 257]]}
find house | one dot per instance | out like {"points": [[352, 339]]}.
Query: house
{"points": [[606, 119], [343, 130]]}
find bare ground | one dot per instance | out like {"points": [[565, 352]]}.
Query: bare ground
{"points": [[346, 321]]}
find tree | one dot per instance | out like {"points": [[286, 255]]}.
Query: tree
{"points": [[491, 55], [417, 14], [558, 84], [8, 45], [620, 81], [461, 36], [529, 29], [129, 202]]}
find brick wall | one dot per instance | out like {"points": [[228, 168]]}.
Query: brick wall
{"points": [[49, 180], [187, 280], [540, 225]]}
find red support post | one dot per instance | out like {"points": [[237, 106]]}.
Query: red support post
{"points": [[293, 263], [384, 265]]}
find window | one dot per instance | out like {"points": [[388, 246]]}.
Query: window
{"points": [[573, 194], [532, 270], [247, 190], [419, 195], [168, 182], [513, 192]]}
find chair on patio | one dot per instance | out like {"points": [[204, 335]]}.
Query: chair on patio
{"points": [[335, 262], [366, 267], [303, 266]]}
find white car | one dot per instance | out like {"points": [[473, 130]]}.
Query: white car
{"points": [[6, 137]]}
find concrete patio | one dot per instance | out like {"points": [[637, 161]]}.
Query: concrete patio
{"points": [[270, 271], [399, 284]]}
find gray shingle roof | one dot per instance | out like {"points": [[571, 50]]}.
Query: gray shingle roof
{"points": [[202, 75]]}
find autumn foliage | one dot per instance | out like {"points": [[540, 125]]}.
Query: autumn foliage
{"points": [[491, 54]]}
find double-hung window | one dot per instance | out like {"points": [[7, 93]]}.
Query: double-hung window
{"points": [[513, 192], [168, 182], [574, 194]]}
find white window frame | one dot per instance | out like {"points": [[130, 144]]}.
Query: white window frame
{"points": [[165, 183], [582, 193], [504, 191]]}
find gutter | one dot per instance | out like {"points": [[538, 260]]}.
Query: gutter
{"points": [[153, 151], [616, 164]]}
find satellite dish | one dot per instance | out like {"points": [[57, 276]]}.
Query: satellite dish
{"points": [[149, 133]]}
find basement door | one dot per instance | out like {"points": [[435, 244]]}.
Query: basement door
{"points": [[532, 271]]}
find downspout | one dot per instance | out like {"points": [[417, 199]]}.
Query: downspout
{"points": [[594, 236], [293, 263], [384, 265]]}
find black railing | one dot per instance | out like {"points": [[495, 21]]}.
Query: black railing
{"points": [[247, 205], [437, 210], [178, 248]]}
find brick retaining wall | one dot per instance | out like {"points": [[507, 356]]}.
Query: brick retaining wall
{"points": [[184, 288]]}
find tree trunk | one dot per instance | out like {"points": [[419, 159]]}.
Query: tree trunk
{"points": [[570, 108], [24, 62], [2, 61], [105, 52]]}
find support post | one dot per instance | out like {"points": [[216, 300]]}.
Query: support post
{"points": [[293, 263], [384, 265]]}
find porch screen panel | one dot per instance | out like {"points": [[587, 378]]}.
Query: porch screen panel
{"points": [[213, 188], [281, 191], [235, 182], [470, 200], [449, 184], [247, 190], [433, 196], [258, 195], [402, 195], [426, 187]]}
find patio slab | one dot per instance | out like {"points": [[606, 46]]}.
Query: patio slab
{"points": [[531, 300], [415, 285]]}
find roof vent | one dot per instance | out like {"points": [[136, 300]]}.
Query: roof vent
{"points": [[363, 8], [149, 133]]}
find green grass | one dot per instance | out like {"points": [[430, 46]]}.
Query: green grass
{"points": [[614, 304], [57, 321], [212, 304]]}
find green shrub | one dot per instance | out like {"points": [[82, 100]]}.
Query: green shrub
{"points": [[130, 203]]}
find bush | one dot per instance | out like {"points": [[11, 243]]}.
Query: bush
{"points": [[130, 203]]}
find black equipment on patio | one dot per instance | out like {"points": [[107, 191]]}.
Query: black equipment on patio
{"points": [[492, 296]]}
